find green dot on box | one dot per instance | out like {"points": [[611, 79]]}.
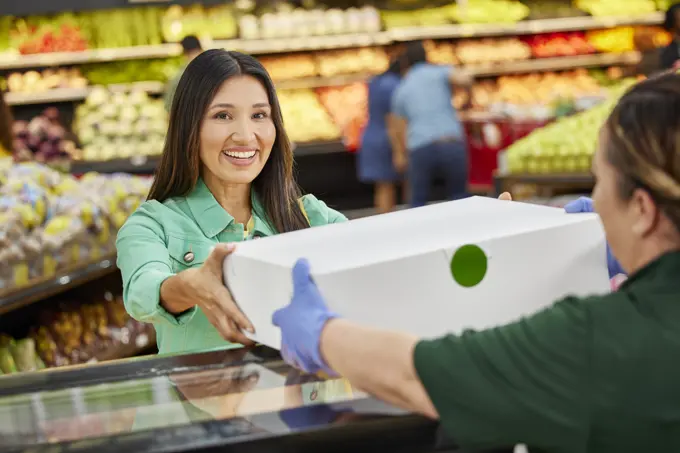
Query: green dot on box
{"points": [[468, 265]]}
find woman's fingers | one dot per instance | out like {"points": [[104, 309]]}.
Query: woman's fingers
{"points": [[229, 308]]}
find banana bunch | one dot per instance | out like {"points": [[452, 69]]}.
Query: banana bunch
{"points": [[490, 12], [616, 8]]}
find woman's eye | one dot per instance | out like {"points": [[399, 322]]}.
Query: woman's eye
{"points": [[221, 116], [260, 116]]}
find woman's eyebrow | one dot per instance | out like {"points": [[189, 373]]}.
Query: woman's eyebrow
{"points": [[232, 106]]}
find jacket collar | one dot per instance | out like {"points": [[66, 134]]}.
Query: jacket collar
{"points": [[213, 218]]}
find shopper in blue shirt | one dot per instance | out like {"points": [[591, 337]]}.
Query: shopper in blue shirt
{"points": [[375, 158], [428, 137]]}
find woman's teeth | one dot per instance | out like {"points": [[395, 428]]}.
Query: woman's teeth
{"points": [[240, 154]]}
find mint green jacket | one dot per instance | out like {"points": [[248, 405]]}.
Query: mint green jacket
{"points": [[154, 243]]}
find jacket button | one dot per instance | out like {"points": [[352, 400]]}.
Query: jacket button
{"points": [[188, 257]]}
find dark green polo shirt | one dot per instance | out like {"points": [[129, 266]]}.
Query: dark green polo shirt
{"points": [[600, 374]]}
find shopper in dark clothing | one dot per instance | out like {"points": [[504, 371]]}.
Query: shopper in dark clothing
{"points": [[671, 53], [428, 138], [375, 164], [191, 48]]}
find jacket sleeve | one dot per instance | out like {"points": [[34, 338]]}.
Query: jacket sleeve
{"points": [[318, 213], [144, 263], [523, 383]]}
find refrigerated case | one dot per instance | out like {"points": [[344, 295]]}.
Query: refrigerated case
{"points": [[244, 400]]}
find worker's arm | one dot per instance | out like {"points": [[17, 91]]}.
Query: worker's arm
{"points": [[525, 382]]}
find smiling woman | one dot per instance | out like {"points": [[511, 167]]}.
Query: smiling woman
{"points": [[226, 175]]}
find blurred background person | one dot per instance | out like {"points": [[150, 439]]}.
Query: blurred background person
{"points": [[671, 53], [375, 163], [6, 121], [428, 138], [191, 48]]}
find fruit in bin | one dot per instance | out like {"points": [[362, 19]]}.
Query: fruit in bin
{"points": [[566, 145], [120, 125], [611, 8], [489, 11], [300, 108]]}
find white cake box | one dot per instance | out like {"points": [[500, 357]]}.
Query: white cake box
{"points": [[395, 271]]}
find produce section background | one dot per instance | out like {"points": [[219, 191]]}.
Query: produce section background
{"points": [[84, 81]]}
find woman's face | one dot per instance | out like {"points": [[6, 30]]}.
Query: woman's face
{"points": [[238, 133]]}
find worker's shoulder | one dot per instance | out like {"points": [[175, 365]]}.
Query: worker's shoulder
{"points": [[318, 213]]}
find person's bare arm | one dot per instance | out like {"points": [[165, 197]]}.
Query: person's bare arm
{"points": [[461, 78], [396, 130], [378, 362]]}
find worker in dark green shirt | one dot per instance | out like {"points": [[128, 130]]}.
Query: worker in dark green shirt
{"points": [[191, 48], [598, 374]]}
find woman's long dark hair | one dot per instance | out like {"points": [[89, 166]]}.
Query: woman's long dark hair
{"points": [[180, 166], [6, 139]]}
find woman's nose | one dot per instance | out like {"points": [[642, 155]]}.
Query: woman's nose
{"points": [[243, 132]]}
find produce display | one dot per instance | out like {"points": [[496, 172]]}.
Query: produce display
{"points": [[566, 145], [548, 9], [424, 17], [76, 332], [118, 72], [348, 106], [290, 67], [488, 51], [42, 35], [217, 22], [291, 22], [49, 79], [51, 221], [535, 95], [367, 60], [364, 60], [120, 125], [305, 118], [489, 12], [43, 139], [623, 39], [560, 45], [611, 8]]}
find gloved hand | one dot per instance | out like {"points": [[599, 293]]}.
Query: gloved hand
{"points": [[302, 321], [585, 204]]}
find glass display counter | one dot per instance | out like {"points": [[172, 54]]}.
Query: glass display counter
{"points": [[238, 400]]}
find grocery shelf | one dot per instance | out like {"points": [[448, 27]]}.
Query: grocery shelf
{"points": [[504, 181], [76, 94], [302, 43], [137, 165], [321, 82], [18, 61], [556, 63], [45, 287], [521, 28], [307, 43]]}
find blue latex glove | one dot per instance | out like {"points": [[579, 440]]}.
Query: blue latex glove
{"points": [[585, 204], [302, 321]]}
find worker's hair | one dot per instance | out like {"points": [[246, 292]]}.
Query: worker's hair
{"points": [[670, 22], [6, 121], [191, 43], [642, 137]]}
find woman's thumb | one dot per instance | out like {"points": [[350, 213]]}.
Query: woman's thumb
{"points": [[218, 254]]}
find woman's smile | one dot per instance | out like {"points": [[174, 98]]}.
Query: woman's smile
{"points": [[240, 155]]}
